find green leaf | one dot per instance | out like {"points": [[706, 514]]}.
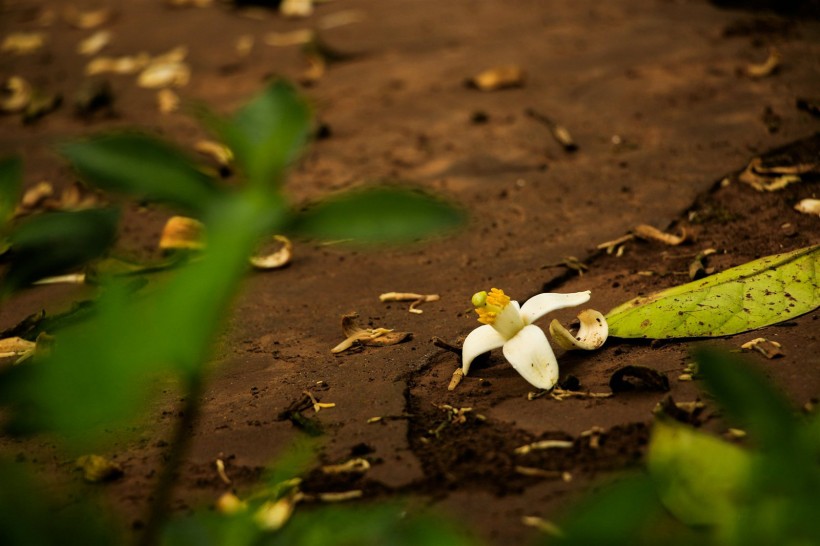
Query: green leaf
{"points": [[699, 478], [756, 294], [142, 166], [268, 133], [57, 242], [11, 179], [378, 215]]}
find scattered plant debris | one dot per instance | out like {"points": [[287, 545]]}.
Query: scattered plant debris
{"points": [[645, 231], [98, 469], [560, 133], [417, 299], [808, 206], [632, 378], [766, 68], [768, 348], [501, 77], [378, 337]]}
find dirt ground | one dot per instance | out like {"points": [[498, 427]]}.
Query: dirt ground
{"points": [[656, 95]]}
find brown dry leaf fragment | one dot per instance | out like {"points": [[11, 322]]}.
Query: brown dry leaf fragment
{"points": [[645, 231], [501, 77], [296, 8], [808, 206], [23, 43], [182, 233], [98, 469], [220, 470], [379, 337], [357, 465], [417, 299], [769, 349], [95, 43], [275, 260], [15, 95], [88, 19], [766, 68], [167, 101]]}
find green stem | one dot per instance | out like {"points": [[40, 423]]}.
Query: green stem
{"points": [[159, 509]]}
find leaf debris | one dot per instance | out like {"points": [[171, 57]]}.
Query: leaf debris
{"points": [[417, 299], [768, 348], [379, 337]]}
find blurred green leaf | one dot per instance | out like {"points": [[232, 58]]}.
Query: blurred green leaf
{"points": [[378, 215], [749, 296], [267, 134], [52, 243], [142, 166], [749, 398], [11, 180], [212, 529], [699, 478], [29, 518]]}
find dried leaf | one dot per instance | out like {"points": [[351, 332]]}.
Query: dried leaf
{"points": [[182, 233], [277, 259], [16, 346], [808, 206], [379, 337], [501, 77], [341, 496], [23, 43], [592, 332], [645, 231], [15, 95], [766, 68], [782, 166], [95, 43], [769, 349], [98, 469], [631, 378]]}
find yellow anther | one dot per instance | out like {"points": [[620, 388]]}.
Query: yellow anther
{"points": [[489, 305], [497, 298]]}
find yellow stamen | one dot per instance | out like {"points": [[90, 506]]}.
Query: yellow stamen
{"points": [[489, 305]]}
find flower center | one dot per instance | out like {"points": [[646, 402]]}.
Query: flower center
{"points": [[494, 308]]}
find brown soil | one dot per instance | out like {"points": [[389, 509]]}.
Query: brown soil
{"points": [[666, 78]]}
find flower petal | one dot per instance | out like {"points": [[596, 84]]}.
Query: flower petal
{"points": [[479, 341], [530, 354], [592, 332], [538, 306]]}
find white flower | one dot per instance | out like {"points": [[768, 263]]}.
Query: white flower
{"points": [[525, 345]]}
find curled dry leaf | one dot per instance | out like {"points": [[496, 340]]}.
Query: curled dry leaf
{"points": [[766, 68], [808, 206], [279, 258], [769, 349], [23, 43], [417, 299], [87, 19], [379, 337], [15, 95], [98, 469], [501, 77], [220, 470], [592, 332], [182, 233], [94, 43], [42, 197], [645, 231]]}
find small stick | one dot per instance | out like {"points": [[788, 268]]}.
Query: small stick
{"points": [[559, 132]]}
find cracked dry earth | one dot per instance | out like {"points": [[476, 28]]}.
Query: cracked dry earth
{"points": [[655, 95]]}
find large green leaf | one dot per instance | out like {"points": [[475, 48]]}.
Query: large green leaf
{"points": [[756, 294], [142, 166], [378, 215], [266, 134], [11, 178], [699, 478], [56, 242]]}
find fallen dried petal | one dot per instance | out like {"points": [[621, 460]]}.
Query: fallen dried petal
{"points": [[501, 77], [182, 233], [543, 444], [94, 43], [272, 515], [118, 65], [167, 101], [377, 336], [164, 74], [277, 259], [645, 231], [228, 503], [98, 469], [766, 68], [592, 332], [296, 8], [33, 197], [220, 470], [16, 346], [808, 206], [85, 20], [769, 349], [543, 525], [23, 43], [341, 496]]}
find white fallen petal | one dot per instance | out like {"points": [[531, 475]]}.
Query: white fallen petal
{"points": [[481, 340], [592, 332], [530, 354], [808, 206], [538, 306]]}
